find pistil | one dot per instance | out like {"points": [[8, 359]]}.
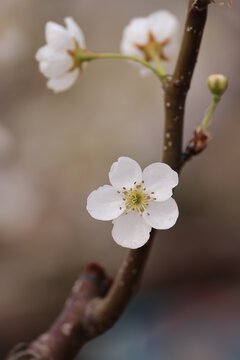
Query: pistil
{"points": [[136, 199]]}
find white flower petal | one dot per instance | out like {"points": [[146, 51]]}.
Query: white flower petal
{"points": [[75, 31], [58, 37], [105, 203], [160, 179], [130, 230], [43, 65], [170, 50], [124, 173], [128, 48], [162, 214], [58, 84], [163, 25], [43, 53], [58, 68], [136, 33], [47, 53]]}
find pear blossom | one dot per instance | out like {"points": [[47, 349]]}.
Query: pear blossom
{"points": [[136, 201], [56, 58], [154, 35]]}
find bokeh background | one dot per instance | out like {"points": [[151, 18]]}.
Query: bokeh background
{"points": [[55, 149]]}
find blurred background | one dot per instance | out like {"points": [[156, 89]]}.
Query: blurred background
{"points": [[55, 149]]}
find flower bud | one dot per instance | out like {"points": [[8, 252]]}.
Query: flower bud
{"points": [[217, 84]]}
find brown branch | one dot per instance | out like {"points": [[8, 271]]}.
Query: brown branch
{"points": [[177, 87], [89, 311], [106, 311], [71, 329], [92, 309]]}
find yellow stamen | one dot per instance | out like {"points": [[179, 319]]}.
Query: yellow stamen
{"points": [[136, 199]]}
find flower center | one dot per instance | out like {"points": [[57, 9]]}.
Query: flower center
{"points": [[136, 199], [78, 55], [154, 50]]}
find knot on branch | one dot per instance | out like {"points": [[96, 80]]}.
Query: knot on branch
{"points": [[195, 146], [95, 273], [198, 142]]}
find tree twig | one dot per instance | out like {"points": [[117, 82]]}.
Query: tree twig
{"points": [[177, 87], [94, 305], [106, 311]]}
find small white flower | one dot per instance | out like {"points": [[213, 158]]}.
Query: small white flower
{"points": [[137, 201], [154, 33], [56, 58]]}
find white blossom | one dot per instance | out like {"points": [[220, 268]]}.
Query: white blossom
{"points": [[56, 58], [156, 32], [136, 201]]}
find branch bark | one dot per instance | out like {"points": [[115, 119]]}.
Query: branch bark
{"points": [[177, 87], [106, 311], [71, 329], [94, 306]]}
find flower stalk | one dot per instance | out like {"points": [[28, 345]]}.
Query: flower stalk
{"points": [[208, 117], [154, 55], [82, 56], [217, 84]]}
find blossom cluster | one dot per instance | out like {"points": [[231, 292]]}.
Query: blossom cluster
{"points": [[152, 38], [136, 201]]}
